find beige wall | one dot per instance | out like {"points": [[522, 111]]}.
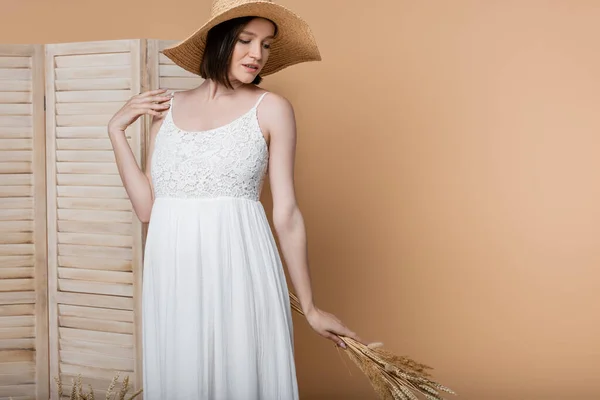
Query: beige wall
{"points": [[448, 172]]}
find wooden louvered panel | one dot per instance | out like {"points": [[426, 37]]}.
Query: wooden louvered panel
{"points": [[8, 156], [108, 302], [164, 73], [92, 96], [23, 293], [97, 313], [17, 297], [94, 237], [96, 227], [16, 273], [121, 219], [15, 238]]}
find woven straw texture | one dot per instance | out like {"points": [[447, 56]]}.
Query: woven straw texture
{"points": [[294, 43]]}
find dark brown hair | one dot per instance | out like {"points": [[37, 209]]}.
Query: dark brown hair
{"points": [[220, 42]]}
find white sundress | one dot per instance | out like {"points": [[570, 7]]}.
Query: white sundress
{"points": [[216, 319]]}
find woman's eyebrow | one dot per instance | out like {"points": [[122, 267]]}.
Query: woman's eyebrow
{"points": [[254, 34]]}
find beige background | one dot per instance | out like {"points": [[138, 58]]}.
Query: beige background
{"points": [[448, 174]]}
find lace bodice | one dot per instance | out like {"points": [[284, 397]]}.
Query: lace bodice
{"points": [[228, 161]]}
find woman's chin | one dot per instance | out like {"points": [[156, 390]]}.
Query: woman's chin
{"points": [[248, 79], [243, 78]]}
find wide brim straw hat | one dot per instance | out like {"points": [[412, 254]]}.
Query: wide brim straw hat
{"points": [[293, 44]]}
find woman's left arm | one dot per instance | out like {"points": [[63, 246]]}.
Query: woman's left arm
{"points": [[278, 119]]}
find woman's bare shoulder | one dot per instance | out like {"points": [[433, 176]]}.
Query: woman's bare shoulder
{"points": [[277, 103], [276, 113], [183, 95]]}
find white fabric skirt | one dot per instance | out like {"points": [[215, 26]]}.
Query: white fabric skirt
{"points": [[216, 320]]}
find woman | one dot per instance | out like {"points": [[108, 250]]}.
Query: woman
{"points": [[216, 315]]}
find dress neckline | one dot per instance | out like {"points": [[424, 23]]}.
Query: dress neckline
{"points": [[253, 109], [211, 129]]}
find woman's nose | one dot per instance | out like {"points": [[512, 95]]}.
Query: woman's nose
{"points": [[256, 52]]}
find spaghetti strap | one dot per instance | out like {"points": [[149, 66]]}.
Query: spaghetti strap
{"points": [[169, 113], [260, 98]]}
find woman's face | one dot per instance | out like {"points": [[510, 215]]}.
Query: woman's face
{"points": [[251, 50]]}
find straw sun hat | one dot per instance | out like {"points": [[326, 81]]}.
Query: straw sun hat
{"points": [[293, 44]]}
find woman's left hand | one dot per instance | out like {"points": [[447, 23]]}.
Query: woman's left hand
{"points": [[329, 326]]}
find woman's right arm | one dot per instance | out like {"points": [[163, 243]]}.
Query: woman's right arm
{"points": [[136, 182]]}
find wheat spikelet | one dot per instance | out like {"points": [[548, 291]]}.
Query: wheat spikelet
{"points": [[430, 390], [73, 390], [80, 394], [392, 377], [59, 387], [91, 394], [124, 388], [112, 385], [394, 389], [136, 394], [442, 388], [431, 397], [409, 394]]}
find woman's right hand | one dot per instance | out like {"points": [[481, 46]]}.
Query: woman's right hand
{"points": [[152, 102]]}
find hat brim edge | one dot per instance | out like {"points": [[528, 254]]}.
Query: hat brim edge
{"points": [[179, 53]]}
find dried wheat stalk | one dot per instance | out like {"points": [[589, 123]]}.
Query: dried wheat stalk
{"points": [[77, 392], [393, 377]]}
